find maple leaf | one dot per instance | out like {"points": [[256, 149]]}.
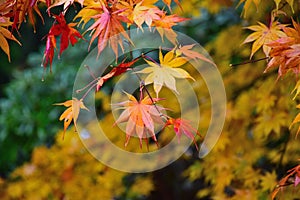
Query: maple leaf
{"points": [[139, 12], [187, 51], [285, 51], [182, 126], [6, 34], [248, 4], [293, 177], [23, 8], [296, 90], [165, 72], [144, 14], [67, 33], [268, 181], [290, 2], [263, 35], [71, 113], [165, 24], [66, 3], [107, 24], [140, 117], [168, 3], [6, 7], [120, 69], [296, 120]]}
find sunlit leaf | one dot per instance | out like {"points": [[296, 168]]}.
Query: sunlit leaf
{"points": [[107, 27], [140, 117], [182, 126], [66, 3], [263, 35], [5, 35], [247, 5], [285, 51], [71, 113], [165, 72]]}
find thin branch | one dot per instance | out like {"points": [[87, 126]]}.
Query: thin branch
{"points": [[248, 62]]}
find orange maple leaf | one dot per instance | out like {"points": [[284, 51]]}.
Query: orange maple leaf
{"points": [[168, 3], [24, 8], [107, 26], [165, 24], [285, 51], [145, 14], [71, 113], [140, 117]]}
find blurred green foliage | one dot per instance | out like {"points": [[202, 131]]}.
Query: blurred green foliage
{"points": [[27, 116]]}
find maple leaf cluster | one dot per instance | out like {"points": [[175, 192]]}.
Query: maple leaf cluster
{"points": [[141, 116], [109, 20], [12, 14], [285, 51], [281, 46], [108, 16]]}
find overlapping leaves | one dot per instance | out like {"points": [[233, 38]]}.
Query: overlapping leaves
{"points": [[263, 35]]}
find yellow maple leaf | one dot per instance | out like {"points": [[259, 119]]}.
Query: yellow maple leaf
{"points": [[165, 72], [263, 35], [71, 113], [290, 2], [269, 181], [248, 4], [296, 120]]}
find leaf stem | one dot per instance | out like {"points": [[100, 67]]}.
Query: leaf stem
{"points": [[248, 62]]}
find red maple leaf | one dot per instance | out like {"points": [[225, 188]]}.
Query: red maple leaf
{"points": [[292, 178], [182, 126], [67, 33], [120, 69]]}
